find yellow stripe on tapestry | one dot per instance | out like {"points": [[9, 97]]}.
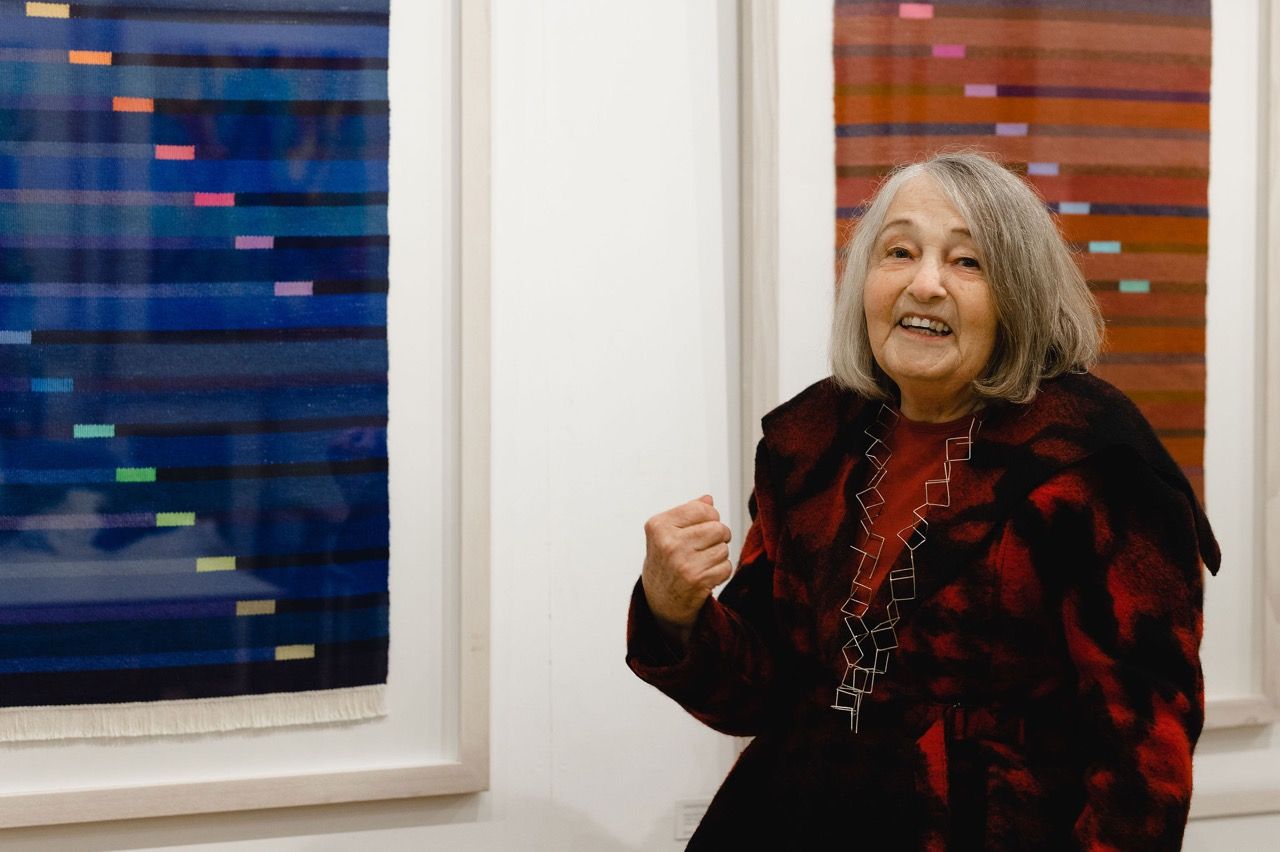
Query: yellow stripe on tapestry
{"points": [[255, 607], [295, 652], [48, 10], [215, 563]]}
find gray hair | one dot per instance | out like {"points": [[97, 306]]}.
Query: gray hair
{"points": [[1047, 322]]}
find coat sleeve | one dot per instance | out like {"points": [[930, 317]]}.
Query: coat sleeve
{"points": [[1119, 543], [724, 674]]}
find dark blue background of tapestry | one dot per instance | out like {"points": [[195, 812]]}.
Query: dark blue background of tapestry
{"points": [[193, 354]]}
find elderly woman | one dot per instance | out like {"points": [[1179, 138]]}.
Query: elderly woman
{"points": [[967, 614]]}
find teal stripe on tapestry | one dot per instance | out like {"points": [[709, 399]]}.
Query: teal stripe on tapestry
{"points": [[84, 220], [52, 385], [1104, 247], [1135, 285]]}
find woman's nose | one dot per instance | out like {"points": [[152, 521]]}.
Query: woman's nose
{"points": [[926, 284]]}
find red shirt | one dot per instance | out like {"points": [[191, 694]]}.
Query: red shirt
{"points": [[917, 452]]}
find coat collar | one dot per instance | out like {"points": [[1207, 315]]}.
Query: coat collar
{"points": [[816, 442]]}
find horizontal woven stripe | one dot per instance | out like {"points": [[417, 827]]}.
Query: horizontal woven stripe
{"points": [[350, 579], [167, 611], [93, 151], [96, 89], [219, 175], [1023, 53], [281, 6], [245, 449], [236, 137], [935, 129], [161, 36], [135, 266], [27, 218], [133, 197], [274, 527], [1024, 91], [48, 565], [121, 59], [139, 12], [99, 645], [1184, 8], [1166, 36], [333, 667], [278, 470]]}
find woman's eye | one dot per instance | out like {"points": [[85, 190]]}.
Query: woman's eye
{"points": [[969, 262], [899, 252]]}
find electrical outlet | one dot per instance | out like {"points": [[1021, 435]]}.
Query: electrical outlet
{"points": [[688, 814]]}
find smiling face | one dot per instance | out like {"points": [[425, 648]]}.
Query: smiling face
{"points": [[930, 315]]}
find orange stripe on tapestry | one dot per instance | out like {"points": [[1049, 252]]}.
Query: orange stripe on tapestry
{"points": [[1163, 305], [1103, 107], [965, 68], [1122, 188], [1174, 414], [958, 107], [1135, 152], [991, 26]]}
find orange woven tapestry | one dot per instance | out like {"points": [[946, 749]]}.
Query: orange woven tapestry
{"points": [[1103, 106]]}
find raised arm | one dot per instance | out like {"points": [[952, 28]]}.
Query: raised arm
{"points": [[720, 666]]}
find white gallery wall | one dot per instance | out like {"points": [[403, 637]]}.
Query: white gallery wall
{"points": [[614, 368]]}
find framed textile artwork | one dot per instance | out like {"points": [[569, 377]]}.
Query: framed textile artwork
{"points": [[800, 166], [195, 467], [1104, 108], [236, 381]]}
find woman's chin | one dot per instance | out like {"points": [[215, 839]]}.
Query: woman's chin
{"points": [[935, 367]]}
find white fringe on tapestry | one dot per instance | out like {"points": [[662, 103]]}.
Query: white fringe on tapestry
{"points": [[192, 715]]}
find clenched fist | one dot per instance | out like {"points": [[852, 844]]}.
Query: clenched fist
{"points": [[686, 556]]}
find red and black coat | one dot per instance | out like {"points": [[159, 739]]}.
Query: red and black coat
{"points": [[1046, 691]]}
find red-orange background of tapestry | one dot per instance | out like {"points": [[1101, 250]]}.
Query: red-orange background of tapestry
{"points": [[1103, 107]]}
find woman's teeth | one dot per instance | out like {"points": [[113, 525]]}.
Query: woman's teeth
{"points": [[922, 324]]}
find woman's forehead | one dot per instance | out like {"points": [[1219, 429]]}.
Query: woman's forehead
{"points": [[922, 191], [921, 203]]}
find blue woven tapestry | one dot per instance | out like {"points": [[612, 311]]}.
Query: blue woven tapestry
{"points": [[193, 362]]}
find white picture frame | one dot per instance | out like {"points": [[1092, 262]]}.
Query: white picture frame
{"points": [[779, 359], [455, 706]]}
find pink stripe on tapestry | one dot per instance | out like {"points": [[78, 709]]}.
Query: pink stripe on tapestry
{"points": [[215, 199], [295, 288]]}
